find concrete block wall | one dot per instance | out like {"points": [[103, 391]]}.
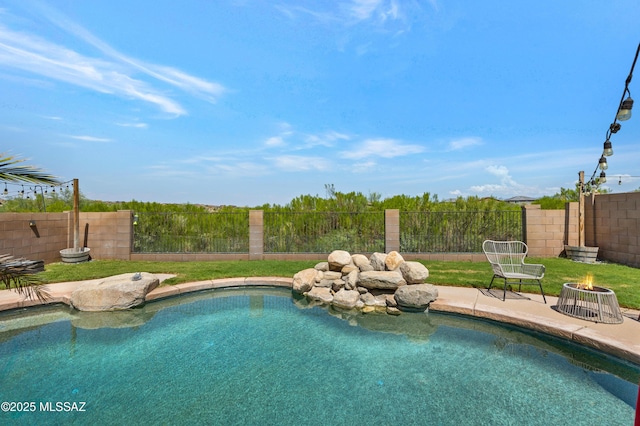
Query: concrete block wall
{"points": [[392, 230], [612, 222], [256, 234], [109, 234], [547, 231], [42, 241]]}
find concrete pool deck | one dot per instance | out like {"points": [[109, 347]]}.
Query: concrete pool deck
{"points": [[524, 310]]}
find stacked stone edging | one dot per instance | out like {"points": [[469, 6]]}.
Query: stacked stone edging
{"points": [[383, 282]]}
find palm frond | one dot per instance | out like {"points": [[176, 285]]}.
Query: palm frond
{"points": [[12, 171], [20, 275]]}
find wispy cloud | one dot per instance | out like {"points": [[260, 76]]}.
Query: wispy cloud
{"points": [[327, 139], [36, 55], [463, 143], [114, 73], [274, 141], [350, 12], [507, 183], [89, 138], [298, 163], [363, 167], [382, 10], [300, 141], [384, 148], [285, 130], [134, 125]]}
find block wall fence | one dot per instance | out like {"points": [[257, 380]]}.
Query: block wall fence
{"points": [[612, 223]]}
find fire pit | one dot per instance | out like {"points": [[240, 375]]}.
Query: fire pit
{"points": [[589, 302]]}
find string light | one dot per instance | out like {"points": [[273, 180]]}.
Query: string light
{"points": [[622, 114], [14, 189]]}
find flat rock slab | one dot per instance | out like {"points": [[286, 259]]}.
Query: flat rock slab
{"points": [[113, 293], [386, 280]]}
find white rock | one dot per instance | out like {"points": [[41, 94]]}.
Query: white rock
{"points": [[346, 299], [304, 280], [338, 259], [414, 272], [393, 261], [113, 293]]}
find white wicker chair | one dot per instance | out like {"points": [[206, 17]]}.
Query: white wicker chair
{"points": [[507, 260]]}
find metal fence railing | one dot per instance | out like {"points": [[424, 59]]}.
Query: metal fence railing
{"points": [[191, 233], [456, 232], [323, 232]]}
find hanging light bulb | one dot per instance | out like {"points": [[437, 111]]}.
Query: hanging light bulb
{"points": [[53, 190], [608, 149], [6, 191], [603, 163], [620, 180], [22, 192], [614, 127], [603, 177], [624, 113]]}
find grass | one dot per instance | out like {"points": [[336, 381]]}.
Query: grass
{"points": [[623, 280]]}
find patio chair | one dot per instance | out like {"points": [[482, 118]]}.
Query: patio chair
{"points": [[507, 260]]}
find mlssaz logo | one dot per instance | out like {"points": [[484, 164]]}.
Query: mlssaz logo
{"points": [[62, 406]]}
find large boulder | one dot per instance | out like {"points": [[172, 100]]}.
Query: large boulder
{"points": [[321, 294], [393, 261], [370, 300], [346, 299], [377, 261], [416, 296], [338, 259], [414, 272], [304, 280], [322, 266], [114, 293], [331, 275], [351, 280], [387, 280], [362, 262]]}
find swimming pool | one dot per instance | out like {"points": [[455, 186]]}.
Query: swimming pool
{"points": [[257, 356]]}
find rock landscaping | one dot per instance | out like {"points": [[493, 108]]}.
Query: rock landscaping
{"points": [[383, 282], [114, 293]]}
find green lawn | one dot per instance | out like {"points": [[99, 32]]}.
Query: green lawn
{"points": [[624, 280]]}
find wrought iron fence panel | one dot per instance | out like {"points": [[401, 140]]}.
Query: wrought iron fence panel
{"points": [[191, 233], [323, 232], [456, 232]]}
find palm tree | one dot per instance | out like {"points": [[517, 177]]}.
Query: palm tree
{"points": [[14, 271]]}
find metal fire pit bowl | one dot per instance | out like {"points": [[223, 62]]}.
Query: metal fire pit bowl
{"points": [[598, 304]]}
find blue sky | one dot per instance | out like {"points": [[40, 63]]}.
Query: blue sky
{"points": [[247, 102]]}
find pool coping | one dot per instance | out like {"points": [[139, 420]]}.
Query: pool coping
{"points": [[523, 310]]}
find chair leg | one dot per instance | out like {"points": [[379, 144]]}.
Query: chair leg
{"points": [[504, 293], [542, 291], [491, 283]]}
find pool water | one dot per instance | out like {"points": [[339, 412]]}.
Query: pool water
{"points": [[258, 356]]}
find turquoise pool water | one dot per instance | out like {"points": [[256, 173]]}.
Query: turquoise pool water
{"points": [[258, 357]]}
